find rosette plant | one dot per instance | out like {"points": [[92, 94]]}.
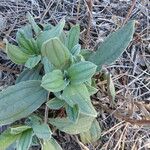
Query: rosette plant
{"points": [[58, 75]]}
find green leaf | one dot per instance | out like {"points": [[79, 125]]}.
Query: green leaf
{"points": [[50, 145], [48, 67], [16, 55], [49, 34], [72, 113], [6, 139], [19, 129], [81, 72], [64, 124], [113, 46], [55, 103], [28, 74], [56, 52], [63, 38], [92, 90], [34, 120], [20, 100], [73, 36], [26, 31], [36, 28], [32, 61], [34, 46], [76, 49], [42, 131], [111, 88], [86, 53], [78, 94], [92, 135], [77, 59], [25, 39], [25, 140], [53, 81]]}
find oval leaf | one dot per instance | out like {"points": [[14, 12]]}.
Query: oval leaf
{"points": [[32, 61], [73, 37], [113, 46], [53, 81], [55, 103], [15, 54], [72, 113], [76, 49], [81, 72], [28, 74], [78, 94], [48, 34], [25, 39], [92, 90], [64, 124], [20, 100], [48, 67], [56, 53], [92, 135], [42, 131]]}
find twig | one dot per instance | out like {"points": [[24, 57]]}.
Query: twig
{"points": [[46, 11], [89, 5], [2, 68], [81, 144], [129, 12], [125, 118], [2, 45], [78, 10]]}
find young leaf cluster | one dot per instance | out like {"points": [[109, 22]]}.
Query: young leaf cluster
{"points": [[60, 74]]}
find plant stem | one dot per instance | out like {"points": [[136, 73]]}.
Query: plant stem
{"points": [[46, 111]]}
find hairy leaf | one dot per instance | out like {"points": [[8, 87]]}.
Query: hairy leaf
{"points": [[16, 55], [50, 145], [32, 61], [56, 53], [78, 94], [86, 53], [42, 131], [25, 39], [72, 113], [48, 34], [81, 72], [73, 37], [53, 81], [25, 140], [36, 28], [76, 49], [64, 124], [28, 74], [48, 67], [20, 100], [55, 103], [113, 46], [92, 90], [93, 134]]}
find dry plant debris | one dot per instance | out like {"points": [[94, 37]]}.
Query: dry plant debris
{"points": [[125, 126]]}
